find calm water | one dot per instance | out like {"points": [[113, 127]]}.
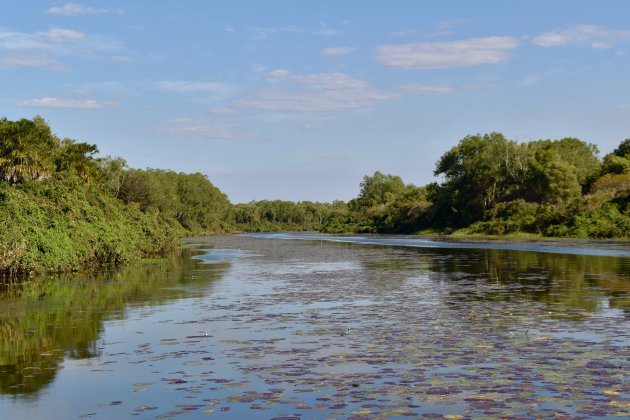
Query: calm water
{"points": [[267, 327]]}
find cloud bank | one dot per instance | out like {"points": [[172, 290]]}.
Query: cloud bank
{"points": [[598, 37], [447, 54], [49, 102], [73, 9]]}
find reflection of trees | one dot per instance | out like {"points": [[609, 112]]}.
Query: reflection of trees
{"points": [[57, 316], [575, 281]]}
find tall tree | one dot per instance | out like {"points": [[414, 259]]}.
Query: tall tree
{"points": [[378, 189], [479, 172], [27, 150]]}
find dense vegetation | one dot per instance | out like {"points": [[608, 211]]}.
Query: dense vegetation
{"points": [[492, 185], [61, 207], [277, 215]]}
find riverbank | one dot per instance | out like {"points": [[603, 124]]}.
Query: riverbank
{"points": [[65, 224], [524, 237]]}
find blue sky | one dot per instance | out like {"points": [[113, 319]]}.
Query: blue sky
{"points": [[299, 100]]}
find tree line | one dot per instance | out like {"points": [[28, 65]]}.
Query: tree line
{"points": [[62, 207], [493, 185]]}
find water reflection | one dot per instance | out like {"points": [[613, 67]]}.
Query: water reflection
{"points": [[47, 319], [588, 283], [563, 281], [334, 330]]}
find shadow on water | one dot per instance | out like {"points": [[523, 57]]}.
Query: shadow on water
{"points": [[51, 318]]}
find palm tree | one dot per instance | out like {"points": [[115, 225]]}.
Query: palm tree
{"points": [[27, 149]]}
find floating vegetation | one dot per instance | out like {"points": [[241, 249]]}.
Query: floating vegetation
{"points": [[275, 332]]}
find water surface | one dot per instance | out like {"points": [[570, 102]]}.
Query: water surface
{"points": [[264, 327]]}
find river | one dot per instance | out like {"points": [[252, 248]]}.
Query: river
{"points": [[312, 326]]}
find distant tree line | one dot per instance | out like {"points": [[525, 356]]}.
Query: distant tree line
{"points": [[61, 207], [492, 185]]}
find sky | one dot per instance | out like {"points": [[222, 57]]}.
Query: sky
{"points": [[298, 100]]}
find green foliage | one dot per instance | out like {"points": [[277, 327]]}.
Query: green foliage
{"points": [[27, 150], [190, 199], [614, 164], [61, 208], [581, 157], [609, 221], [623, 150], [616, 183], [497, 186], [480, 172], [378, 189], [278, 215], [561, 181], [114, 172], [63, 223]]}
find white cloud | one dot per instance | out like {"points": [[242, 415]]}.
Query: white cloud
{"points": [[49, 102], [42, 49], [191, 128], [427, 89], [598, 37], [323, 101], [25, 60], [60, 36], [107, 88], [277, 74], [452, 23], [261, 33], [328, 92], [202, 132], [119, 58], [319, 80], [38, 40], [221, 110], [73, 9], [331, 81], [329, 52], [325, 30], [181, 120], [447, 54], [600, 45], [405, 33], [181, 86]]}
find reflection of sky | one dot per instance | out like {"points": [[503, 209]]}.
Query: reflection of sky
{"points": [[426, 243], [326, 317]]}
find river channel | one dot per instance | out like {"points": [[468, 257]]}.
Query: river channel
{"points": [[288, 326]]}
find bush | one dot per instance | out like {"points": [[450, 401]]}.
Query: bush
{"points": [[607, 222], [62, 224]]}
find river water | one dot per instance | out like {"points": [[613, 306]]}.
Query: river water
{"points": [[315, 327]]}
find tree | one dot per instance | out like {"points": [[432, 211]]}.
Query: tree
{"points": [[562, 183], [379, 189], [581, 156], [77, 158], [113, 171], [623, 150], [27, 149], [480, 172], [614, 164]]}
